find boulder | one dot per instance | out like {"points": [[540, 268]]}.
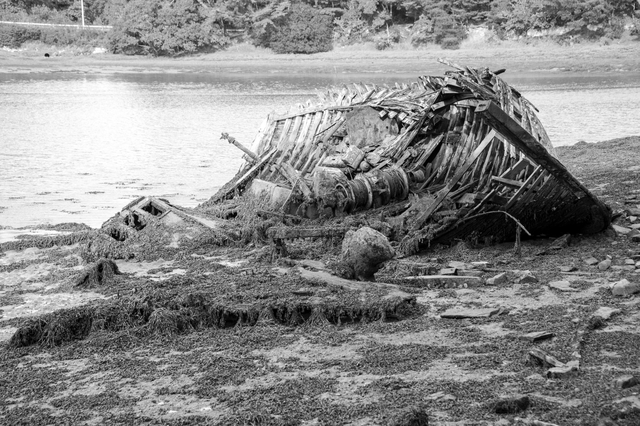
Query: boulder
{"points": [[621, 229], [604, 265], [527, 278], [365, 250], [498, 279], [624, 288], [511, 405], [626, 382], [606, 313]]}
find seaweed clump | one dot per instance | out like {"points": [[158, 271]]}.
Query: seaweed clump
{"points": [[99, 274]]}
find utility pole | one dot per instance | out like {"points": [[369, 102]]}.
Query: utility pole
{"points": [[82, 11]]}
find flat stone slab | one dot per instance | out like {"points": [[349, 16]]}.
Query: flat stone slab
{"points": [[562, 286], [498, 279], [626, 382], [537, 336], [621, 229], [624, 288], [448, 280], [605, 312], [460, 313]]}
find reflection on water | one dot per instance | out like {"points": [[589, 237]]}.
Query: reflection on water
{"points": [[76, 148]]}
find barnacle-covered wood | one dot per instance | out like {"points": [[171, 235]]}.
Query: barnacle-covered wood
{"points": [[454, 146]]}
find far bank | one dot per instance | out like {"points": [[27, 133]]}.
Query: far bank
{"points": [[517, 57]]}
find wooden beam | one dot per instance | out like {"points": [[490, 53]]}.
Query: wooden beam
{"points": [[454, 180], [532, 148], [509, 182], [225, 192]]}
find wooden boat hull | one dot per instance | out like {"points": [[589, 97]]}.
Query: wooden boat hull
{"points": [[461, 156]]}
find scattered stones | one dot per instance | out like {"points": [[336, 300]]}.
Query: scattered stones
{"points": [[542, 358], [460, 313], [604, 265], [365, 250], [621, 229], [636, 238], [557, 244], [624, 288], [511, 405], [633, 219], [562, 286], [561, 372], [498, 279], [591, 261], [538, 336], [630, 262], [635, 226], [567, 268], [448, 271], [626, 382], [527, 278]]}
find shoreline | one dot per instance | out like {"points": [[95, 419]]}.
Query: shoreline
{"points": [[362, 59]]}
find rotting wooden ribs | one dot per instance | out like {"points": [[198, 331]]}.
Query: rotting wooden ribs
{"points": [[454, 146]]}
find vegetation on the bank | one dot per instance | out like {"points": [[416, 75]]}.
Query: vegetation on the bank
{"points": [[162, 27]]}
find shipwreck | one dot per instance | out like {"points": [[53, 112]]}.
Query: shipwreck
{"points": [[459, 156]]}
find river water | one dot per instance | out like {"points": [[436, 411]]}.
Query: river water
{"points": [[78, 147]]}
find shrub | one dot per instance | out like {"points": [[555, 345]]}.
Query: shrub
{"points": [[439, 28], [303, 30], [152, 27], [14, 36]]}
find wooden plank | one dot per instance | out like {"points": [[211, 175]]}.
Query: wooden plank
{"points": [[512, 172], [244, 178], [294, 177], [523, 188], [524, 141], [454, 180], [508, 182]]}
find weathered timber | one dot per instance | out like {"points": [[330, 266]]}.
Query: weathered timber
{"points": [[531, 147], [419, 221]]}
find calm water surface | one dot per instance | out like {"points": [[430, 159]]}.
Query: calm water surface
{"points": [[77, 148]]}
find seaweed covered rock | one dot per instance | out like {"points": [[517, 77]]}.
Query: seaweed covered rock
{"points": [[364, 251], [98, 274]]}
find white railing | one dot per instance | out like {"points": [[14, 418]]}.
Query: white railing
{"points": [[79, 26]]}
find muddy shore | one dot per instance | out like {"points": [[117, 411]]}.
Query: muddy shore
{"points": [[514, 56], [328, 351]]}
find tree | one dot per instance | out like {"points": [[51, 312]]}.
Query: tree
{"points": [[160, 27], [303, 30]]}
